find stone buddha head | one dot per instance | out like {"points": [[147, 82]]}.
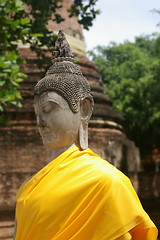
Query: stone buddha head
{"points": [[63, 101]]}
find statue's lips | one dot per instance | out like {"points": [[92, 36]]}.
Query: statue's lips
{"points": [[44, 131], [44, 134]]}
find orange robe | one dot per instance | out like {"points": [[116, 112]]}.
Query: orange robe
{"points": [[80, 196]]}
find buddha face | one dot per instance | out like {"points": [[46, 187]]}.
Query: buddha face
{"points": [[57, 124]]}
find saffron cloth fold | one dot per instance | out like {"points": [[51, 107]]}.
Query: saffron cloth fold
{"points": [[80, 196]]}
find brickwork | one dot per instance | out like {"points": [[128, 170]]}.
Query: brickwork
{"points": [[70, 25], [22, 153], [6, 230]]}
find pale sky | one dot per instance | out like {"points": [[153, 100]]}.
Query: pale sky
{"points": [[121, 20]]}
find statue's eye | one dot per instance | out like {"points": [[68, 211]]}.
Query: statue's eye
{"points": [[48, 108]]}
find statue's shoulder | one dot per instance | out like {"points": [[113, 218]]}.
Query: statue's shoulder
{"points": [[26, 181], [106, 172]]}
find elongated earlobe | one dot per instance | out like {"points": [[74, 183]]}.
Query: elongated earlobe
{"points": [[83, 135], [86, 112]]}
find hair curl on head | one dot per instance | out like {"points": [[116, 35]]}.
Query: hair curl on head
{"points": [[65, 77]]}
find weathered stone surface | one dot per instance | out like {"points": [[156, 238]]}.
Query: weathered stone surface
{"points": [[6, 230], [70, 25], [22, 153]]}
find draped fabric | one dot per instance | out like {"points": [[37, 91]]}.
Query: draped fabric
{"points": [[80, 196]]}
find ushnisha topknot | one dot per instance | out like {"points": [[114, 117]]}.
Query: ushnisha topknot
{"points": [[62, 50], [65, 77]]}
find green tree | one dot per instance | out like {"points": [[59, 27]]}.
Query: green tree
{"points": [[131, 76], [25, 21]]}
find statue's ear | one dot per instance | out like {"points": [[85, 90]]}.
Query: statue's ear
{"points": [[86, 108]]}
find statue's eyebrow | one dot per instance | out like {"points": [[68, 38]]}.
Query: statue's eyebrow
{"points": [[45, 102]]}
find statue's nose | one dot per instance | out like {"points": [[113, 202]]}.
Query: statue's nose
{"points": [[40, 122]]}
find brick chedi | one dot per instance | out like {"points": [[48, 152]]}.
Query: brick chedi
{"points": [[22, 153]]}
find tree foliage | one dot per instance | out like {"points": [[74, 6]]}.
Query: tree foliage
{"points": [[12, 28], [86, 12], [25, 21], [131, 76]]}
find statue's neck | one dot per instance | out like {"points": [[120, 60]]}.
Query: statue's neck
{"points": [[59, 151]]}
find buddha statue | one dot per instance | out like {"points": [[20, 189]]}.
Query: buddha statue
{"points": [[65, 96], [77, 195]]}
